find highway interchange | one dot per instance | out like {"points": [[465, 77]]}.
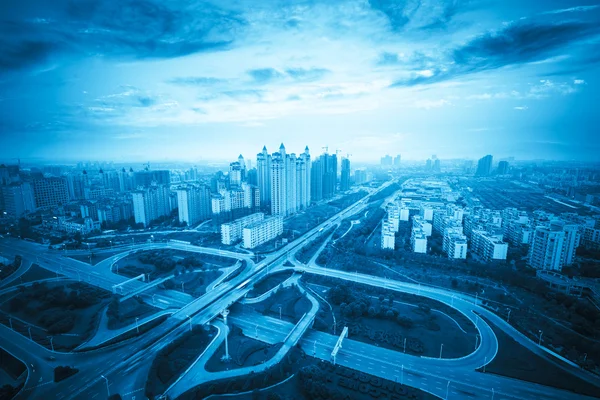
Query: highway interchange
{"points": [[123, 367]]}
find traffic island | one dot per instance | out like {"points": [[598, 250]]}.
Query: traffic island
{"points": [[288, 304], [176, 358], [243, 352], [59, 315], [397, 321], [193, 283], [516, 361], [268, 283]]}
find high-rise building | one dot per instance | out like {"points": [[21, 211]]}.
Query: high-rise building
{"points": [[317, 181], [397, 161], [235, 173], [329, 168], [345, 175], [290, 182], [17, 199], [193, 203], [263, 175], [386, 161], [484, 166], [428, 166], [436, 165], [146, 177], [503, 168], [50, 192], [151, 203]]}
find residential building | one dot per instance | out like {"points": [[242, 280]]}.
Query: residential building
{"points": [[193, 203], [488, 246], [262, 231], [484, 166], [17, 199], [345, 175], [232, 232], [263, 175], [151, 203], [388, 236]]}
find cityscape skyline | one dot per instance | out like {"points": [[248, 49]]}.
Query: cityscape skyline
{"points": [[365, 77]]}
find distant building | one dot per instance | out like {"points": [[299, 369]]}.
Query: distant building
{"points": [[150, 204], [290, 182], [262, 231], [146, 178], [397, 161], [386, 161], [50, 192], [18, 199], [484, 166], [193, 203], [345, 177], [263, 174], [361, 176], [388, 236], [503, 168]]}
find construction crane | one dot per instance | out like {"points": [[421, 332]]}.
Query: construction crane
{"points": [[326, 148]]}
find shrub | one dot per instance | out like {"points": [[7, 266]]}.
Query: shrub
{"points": [[63, 372]]}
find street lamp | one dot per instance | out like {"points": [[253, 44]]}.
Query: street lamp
{"points": [[476, 340], [493, 393], [153, 301], [107, 388], [279, 312], [540, 339], [10, 322], [508, 317], [447, 389], [402, 375], [405, 345], [441, 348], [29, 329], [190, 322], [484, 364], [256, 331], [137, 327], [51, 343]]}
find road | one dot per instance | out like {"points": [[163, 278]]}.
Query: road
{"points": [[126, 364]]}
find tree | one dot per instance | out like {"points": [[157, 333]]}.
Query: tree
{"points": [[372, 311]]}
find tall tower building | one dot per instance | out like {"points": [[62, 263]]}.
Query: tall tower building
{"points": [[151, 203], [263, 176], [345, 176], [278, 184], [290, 182], [484, 166], [546, 249], [316, 183]]}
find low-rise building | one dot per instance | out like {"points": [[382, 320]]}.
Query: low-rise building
{"points": [[262, 231], [488, 246], [232, 232]]}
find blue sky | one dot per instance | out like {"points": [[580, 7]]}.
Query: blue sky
{"points": [[165, 80]]}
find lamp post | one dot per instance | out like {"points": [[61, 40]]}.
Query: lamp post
{"points": [[182, 289], [256, 331], [405, 345], [137, 327], [447, 389], [476, 340], [402, 375], [315, 349], [540, 339], [29, 329], [508, 317], [107, 388], [484, 364], [279, 312], [493, 393], [226, 358], [441, 348], [51, 343], [190, 318], [153, 301]]}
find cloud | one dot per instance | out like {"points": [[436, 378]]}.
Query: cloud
{"points": [[402, 14], [572, 9], [307, 74], [516, 44], [196, 81], [428, 104], [265, 75], [521, 108], [579, 82], [137, 29]]}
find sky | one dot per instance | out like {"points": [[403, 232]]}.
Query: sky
{"points": [[137, 80]]}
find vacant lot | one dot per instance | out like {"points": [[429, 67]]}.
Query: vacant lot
{"points": [[516, 361], [68, 312]]}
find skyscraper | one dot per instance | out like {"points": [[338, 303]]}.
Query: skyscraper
{"points": [[397, 161], [290, 182], [50, 192], [502, 167], [484, 166], [263, 176], [329, 169], [316, 182], [345, 176], [235, 174]]}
